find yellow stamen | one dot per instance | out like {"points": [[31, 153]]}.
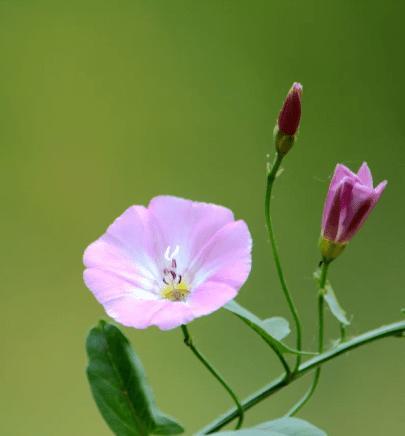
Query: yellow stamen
{"points": [[175, 292]]}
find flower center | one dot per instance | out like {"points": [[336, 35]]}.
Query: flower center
{"points": [[174, 288]]}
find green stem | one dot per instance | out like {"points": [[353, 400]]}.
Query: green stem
{"points": [[307, 396], [188, 341], [270, 182], [396, 329], [283, 361], [342, 332]]}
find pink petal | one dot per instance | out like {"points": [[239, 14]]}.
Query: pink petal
{"points": [[133, 312], [364, 175], [109, 255], [136, 233], [187, 224], [172, 314], [341, 171], [339, 174], [209, 297], [360, 206], [380, 189], [107, 285], [339, 200], [225, 258]]}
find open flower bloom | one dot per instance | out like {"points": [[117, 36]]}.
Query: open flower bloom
{"points": [[169, 263], [351, 197]]}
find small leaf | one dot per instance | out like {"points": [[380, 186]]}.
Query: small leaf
{"points": [[120, 388], [277, 327], [261, 328], [292, 427], [334, 305], [279, 427], [330, 297]]}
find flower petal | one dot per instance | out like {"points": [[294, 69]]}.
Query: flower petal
{"points": [[172, 314], [109, 255], [136, 233], [209, 297], [341, 172], [225, 258], [187, 224], [380, 189], [364, 175], [361, 204], [339, 201], [133, 312], [107, 285]]}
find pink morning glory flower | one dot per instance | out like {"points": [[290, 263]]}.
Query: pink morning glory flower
{"points": [[168, 263], [351, 197]]}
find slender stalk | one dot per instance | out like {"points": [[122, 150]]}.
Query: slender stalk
{"points": [[283, 361], [342, 332], [270, 182], [188, 341], [315, 380], [396, 329]]}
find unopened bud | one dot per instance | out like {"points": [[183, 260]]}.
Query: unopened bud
{"points": [[288, 120], [290, 114]]}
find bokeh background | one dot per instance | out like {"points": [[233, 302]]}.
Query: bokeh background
{"points": [[107, 104]]}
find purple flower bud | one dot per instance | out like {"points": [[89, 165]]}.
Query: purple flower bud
{"points": [[351, 197], [290, 114]]}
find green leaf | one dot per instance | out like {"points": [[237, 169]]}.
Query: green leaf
{"points": [[269, 330], [280, 427], [330, 297], [120, 388], [334, 306], [277, 327]]}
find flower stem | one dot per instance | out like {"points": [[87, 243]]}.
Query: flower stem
{"points": [[271, 177], [396, 329], [188, 341], [342, 332], [315, 380]]}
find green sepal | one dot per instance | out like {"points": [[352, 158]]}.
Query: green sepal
{"points": [[282, 141], [330, 250]]}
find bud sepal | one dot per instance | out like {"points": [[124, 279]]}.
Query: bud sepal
{"points": [[330, 250]]}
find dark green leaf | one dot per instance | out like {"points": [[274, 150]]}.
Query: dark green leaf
{"points": [[120, 388], [280, 427], [264, 328]]}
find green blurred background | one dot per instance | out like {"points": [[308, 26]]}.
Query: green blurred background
{"points": [[106, 104]]}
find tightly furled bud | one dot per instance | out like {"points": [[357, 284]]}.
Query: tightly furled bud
{"points": [[290, 114], [351, 198], [288, 120]]}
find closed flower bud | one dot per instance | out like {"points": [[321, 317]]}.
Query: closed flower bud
{"points": [[288, 120], [351, 198]]}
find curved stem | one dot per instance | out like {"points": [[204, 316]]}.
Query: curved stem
{"points": [[283, 361], [215, 373], [307, 396], [270, 182], [391, 330]]}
